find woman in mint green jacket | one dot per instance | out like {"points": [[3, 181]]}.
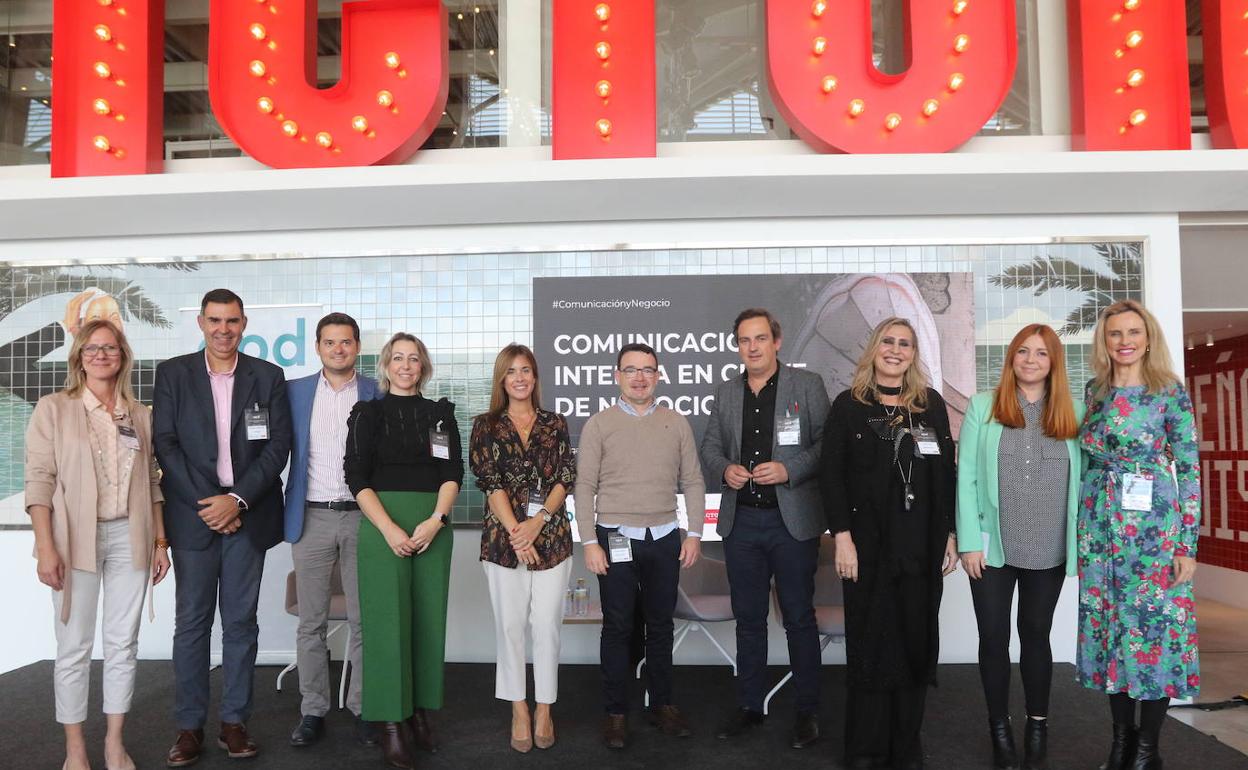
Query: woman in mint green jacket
{"points": [[1019, 470]]}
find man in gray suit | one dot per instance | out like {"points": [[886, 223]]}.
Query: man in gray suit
{"points": [[763, 441]]}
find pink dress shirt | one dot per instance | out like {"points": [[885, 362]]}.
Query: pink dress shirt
{"points": [[223, 407]]}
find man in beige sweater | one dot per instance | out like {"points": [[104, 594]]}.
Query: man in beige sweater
{"points": [[632, 460]]}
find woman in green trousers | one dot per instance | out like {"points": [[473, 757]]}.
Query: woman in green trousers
{"points": [[404, 466]]}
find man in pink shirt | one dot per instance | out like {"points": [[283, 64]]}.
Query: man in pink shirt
{"points": [[221, 429]]}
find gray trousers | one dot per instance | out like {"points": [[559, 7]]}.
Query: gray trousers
{"points": [[328, 537], [228, 570]]}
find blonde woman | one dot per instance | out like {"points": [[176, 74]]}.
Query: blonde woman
{"points": [[1138, 528], [888, 491], [1018, 499], [93, 495], [404, 466], [522, 458]]}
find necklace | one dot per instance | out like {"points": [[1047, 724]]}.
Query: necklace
{"points": [[525, 429], [888, 390]]}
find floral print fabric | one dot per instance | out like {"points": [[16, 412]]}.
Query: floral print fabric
{"points": [[1137, 631], [500, 460]]}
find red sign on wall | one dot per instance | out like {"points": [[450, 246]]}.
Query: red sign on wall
{"points": [[1217, 380], [1129, 85]]}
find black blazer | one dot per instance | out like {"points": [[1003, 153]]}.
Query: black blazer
{"points": [[186, 448]]}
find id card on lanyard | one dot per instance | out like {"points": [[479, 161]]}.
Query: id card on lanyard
{"points": [[128, 438], [620, 548], [925, 443], [1137, 491], [536, 503], [257, 422], [789, 427], [439, 442]]}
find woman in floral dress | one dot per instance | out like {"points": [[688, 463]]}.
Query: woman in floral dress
{"points": [[1137, 534]]}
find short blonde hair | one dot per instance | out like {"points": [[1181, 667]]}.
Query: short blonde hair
{"points": [[76, 379], [1156, 369], [913, 383], [422, 352]]}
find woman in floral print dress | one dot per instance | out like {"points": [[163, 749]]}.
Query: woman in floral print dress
{"points": [[1137, 534]]}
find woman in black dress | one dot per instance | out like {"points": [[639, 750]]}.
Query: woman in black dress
{"points": [[889, 492]]}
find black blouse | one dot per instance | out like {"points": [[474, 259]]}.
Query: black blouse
{"points": [[388, 445]]}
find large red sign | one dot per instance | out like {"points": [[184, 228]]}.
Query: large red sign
{"points": [[1129, 85]]}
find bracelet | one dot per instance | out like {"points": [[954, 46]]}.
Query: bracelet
{"points": [[162, 543]]}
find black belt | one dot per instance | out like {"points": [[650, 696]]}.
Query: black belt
{"points": [[335, 505]]}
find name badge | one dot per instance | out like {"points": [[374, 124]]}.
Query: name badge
{"points": [[536, 503], [1137, 491], [439, 442], [620, 547], [788, 430], [128, 438], [925, 443], [257, 422]]}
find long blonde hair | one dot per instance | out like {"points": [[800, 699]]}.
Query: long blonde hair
{"points": [[383, 362], [863, 387], [76, 377], [498, 394], [1156, 369]]}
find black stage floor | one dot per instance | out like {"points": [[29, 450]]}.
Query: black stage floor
{"points": [[474, 727]]}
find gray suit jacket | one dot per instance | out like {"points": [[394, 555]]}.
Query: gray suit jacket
{"points": [[800, 505]]}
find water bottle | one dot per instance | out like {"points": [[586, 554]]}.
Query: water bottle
{"points": [[568, 606], [580, 598]]}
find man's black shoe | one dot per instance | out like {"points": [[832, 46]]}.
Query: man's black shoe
{"points": [[365, 732], [738, 723], [805, 730], [309, 730]]}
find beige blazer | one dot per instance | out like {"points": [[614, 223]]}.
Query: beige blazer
{"points": [[61, 475]]}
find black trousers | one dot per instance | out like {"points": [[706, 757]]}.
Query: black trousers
{"points": [[655, 569], [884, 725], [993, 595], [758, 549]]}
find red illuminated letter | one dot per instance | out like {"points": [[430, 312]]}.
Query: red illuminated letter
{"points": [[1128, 75], [107, 85], [262, 80], [603, 91], [1226, 71], [961, 56]]}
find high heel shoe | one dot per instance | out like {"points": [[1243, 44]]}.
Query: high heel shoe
{"points": [[394, 748], [525, 744], [1122, 750], [1004, 755], [1036, 744], [544, 741]]}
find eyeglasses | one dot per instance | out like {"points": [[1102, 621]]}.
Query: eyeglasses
{"points": [[645, 371], [91, 351]]}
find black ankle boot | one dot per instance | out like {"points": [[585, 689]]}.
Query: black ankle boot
{"points": [[1122, 750], [1004, 755], [1147, 753], [1036, 744]]}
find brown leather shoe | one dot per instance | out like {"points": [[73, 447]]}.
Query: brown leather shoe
{"points": [[235, 740], [186, 748], [394, 745], [670, 721], [422, 732], [615, 731]]}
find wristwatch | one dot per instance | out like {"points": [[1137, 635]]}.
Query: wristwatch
{"points": [[546, 517], [442, 517]]}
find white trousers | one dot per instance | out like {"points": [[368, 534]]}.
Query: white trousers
{"points": [[124, 590], [533, 600]]}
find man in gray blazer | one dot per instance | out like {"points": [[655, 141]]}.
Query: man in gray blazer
{"points": [[763, 441]]}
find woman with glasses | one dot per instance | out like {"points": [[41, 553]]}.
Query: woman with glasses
{"points": [[522, 458], [1139, 523], [93, 495], [888, 490], [1018, 499], [404, 466]]}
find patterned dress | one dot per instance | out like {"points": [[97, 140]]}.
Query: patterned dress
{"points": [[1137, 632]]}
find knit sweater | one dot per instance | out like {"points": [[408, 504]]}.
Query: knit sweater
{"points": [[635, 466]]}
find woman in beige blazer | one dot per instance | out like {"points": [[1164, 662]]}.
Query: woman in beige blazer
{"points": [[93, 495]]}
